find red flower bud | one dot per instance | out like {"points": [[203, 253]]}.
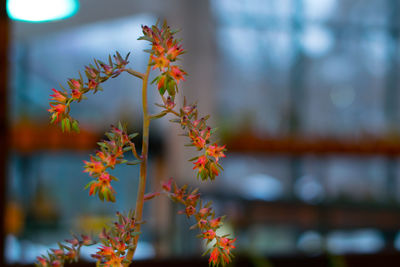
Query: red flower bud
{"points": [[58, 252], [76, 94], [190, 210], [177, 73], [92, 84], [215, 222], [210, 234], [167, 185], [75, 84]]}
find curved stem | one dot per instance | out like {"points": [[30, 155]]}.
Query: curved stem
{"points": [[143, 164], [134, 152]]}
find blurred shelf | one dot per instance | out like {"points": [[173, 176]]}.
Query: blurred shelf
{"points": [[249, 143], [327, 216], [387, 259], [335, 215], [27, 138]]}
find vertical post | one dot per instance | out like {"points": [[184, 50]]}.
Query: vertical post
{"points": [[296, 92], [3, 120], [392, 91]]}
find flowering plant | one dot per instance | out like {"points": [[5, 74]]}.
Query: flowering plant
{"points": [[118, 243]]}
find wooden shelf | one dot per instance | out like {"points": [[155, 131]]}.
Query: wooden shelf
{"points": [[27, 138], [335, 215], [248, 143]]}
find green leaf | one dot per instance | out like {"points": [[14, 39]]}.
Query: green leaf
{"points": [[188, 144], [67, 125], [89, 184], [171, 87], [146, 38], [159, 115], [102, 144], [75, 126], [101, 196], [109, 135], [155, 79], [80, 77], [110, 61], [131, 136], [134, 162], [126, 149], [63, 125], [194, 158], [114, 178], [207, 251], [162, 90], [127, 56]]}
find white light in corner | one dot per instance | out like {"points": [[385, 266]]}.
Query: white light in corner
{"points": [[41, 10]]}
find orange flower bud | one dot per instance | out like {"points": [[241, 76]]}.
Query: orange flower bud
{"points": [[210, 234], [58, 96]]}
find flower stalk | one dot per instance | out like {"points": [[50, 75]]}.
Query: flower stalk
{"points": [[143, 164], [119, 242]]}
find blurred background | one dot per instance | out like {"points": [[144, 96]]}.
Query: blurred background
{"points": [[305, 93]]}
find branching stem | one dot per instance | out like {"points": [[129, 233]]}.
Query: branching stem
{"points": [[143, 164]]}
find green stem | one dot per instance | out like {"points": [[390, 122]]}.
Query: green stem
{"points": [[143, 164]]}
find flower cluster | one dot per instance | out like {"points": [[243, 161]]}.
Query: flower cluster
{"points": [[117, 241], [206, 221], [111, 153], [68, 252], [62, 99], [165, 50], [207, 164]]}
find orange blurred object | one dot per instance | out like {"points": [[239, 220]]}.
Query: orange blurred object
{"points": [[27, 137]]}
